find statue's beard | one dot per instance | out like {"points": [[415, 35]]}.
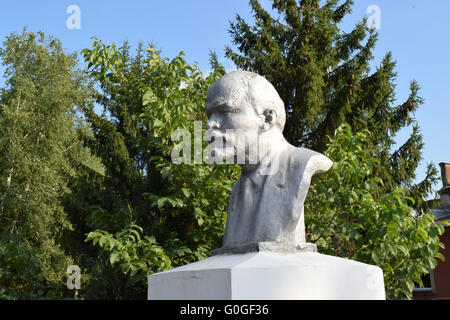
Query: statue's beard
{"points": [[222, 147], [235, 147]]}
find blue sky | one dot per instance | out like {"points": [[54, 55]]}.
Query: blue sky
{"points": [[416, 31]]}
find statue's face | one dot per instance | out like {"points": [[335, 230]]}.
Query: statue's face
{"points": [[233, 122]]}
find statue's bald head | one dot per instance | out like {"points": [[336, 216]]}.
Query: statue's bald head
{"points": [[245, 89]]}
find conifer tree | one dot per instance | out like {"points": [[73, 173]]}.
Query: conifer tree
{"points": [[324, 78]]}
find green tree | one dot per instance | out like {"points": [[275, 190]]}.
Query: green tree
{"points": [[323, 76], [181, 208], [347, 216], [21, 272], [38, 146]]}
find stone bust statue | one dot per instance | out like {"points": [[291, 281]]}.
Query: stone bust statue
{"points": [[265, 211]]}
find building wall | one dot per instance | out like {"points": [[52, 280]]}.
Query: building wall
{"points": [[441, 274]]}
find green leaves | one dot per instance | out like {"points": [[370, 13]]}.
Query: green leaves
{"points": [[21, 273], [41, 153], [181, 207], [148, 97], [136, 255], [347, 213]]}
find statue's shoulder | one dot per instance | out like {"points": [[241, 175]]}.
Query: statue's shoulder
{"points": [[308, 160]]}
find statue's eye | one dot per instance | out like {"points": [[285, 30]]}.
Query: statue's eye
{"points": [[228, 111]]}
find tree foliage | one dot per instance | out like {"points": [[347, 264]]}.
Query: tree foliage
{"points": [[347, 215], [38, 147], [181, 208]]}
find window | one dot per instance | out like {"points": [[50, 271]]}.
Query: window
{"points": [[428, 282]]}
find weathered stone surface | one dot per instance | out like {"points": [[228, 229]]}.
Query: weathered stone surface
{"points": [[283, 247]]}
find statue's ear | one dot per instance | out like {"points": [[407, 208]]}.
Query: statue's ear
{"points": [[270, 118]]}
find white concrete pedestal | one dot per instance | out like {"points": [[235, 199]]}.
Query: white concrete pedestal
{"points": [[267, 276]]}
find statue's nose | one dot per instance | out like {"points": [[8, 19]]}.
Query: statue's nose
{"points": [[212, 124]]}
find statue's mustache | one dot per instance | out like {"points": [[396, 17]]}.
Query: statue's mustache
{"points": [[217, 136], [230, 137]]}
